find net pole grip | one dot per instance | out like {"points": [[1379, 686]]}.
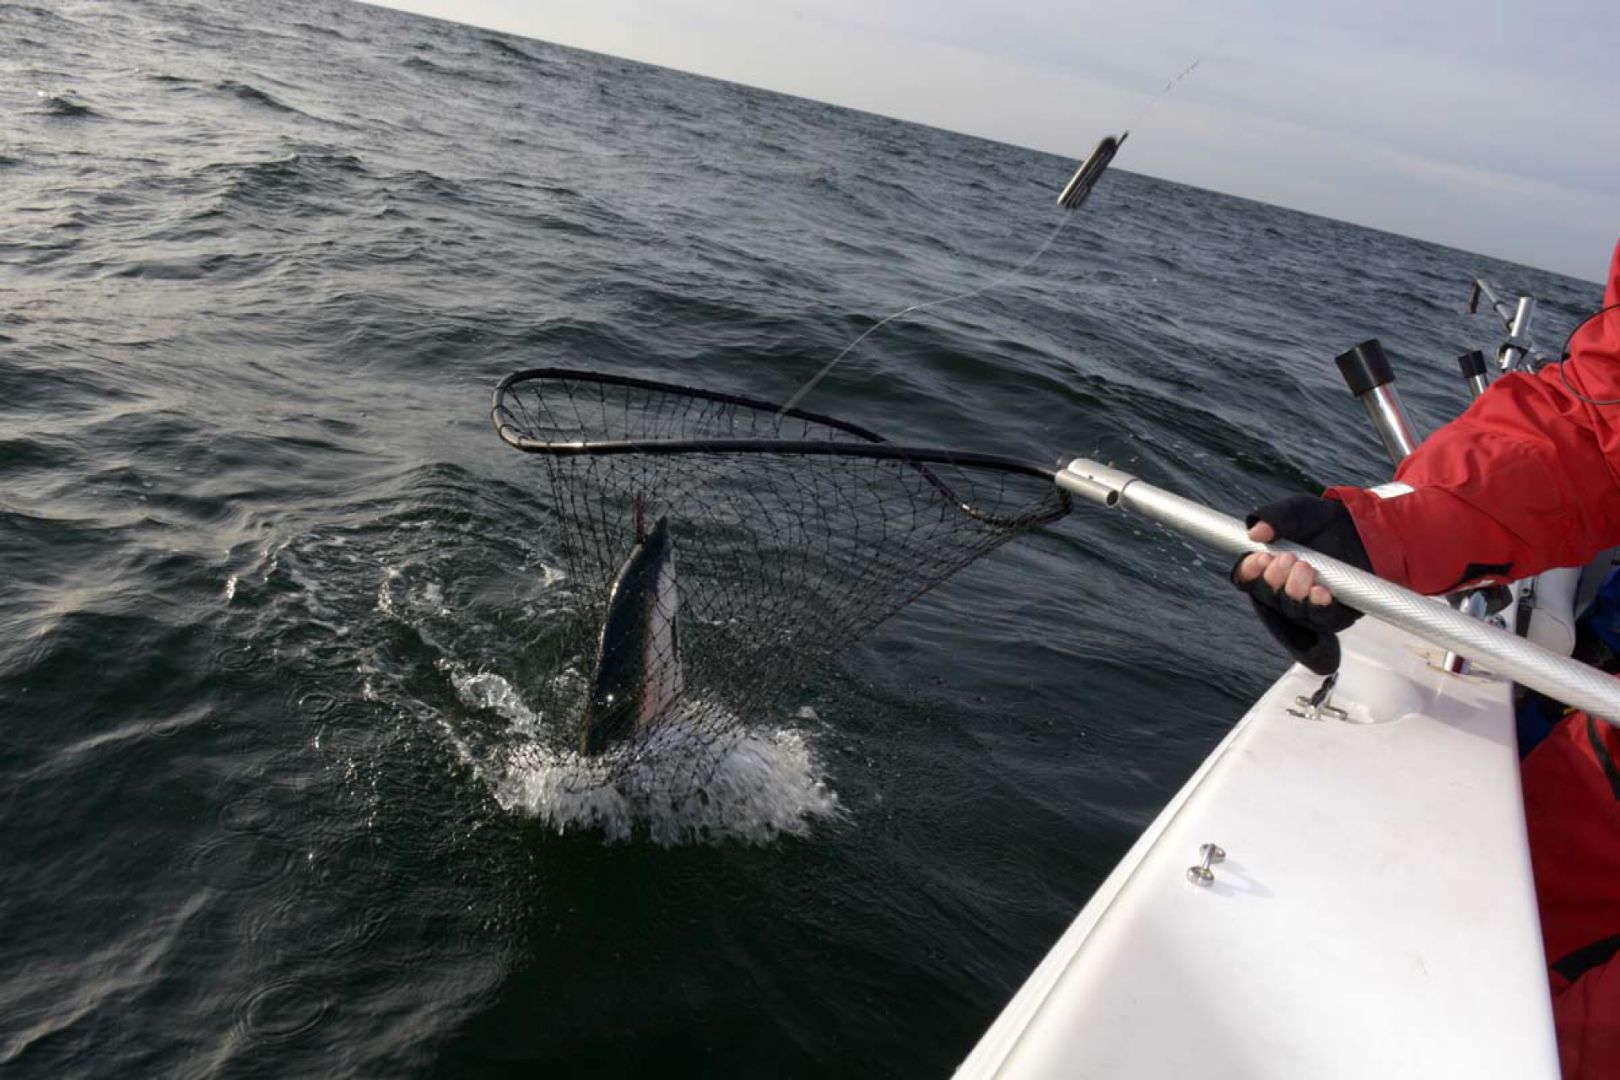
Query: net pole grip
{"points": [[1559, 677]]}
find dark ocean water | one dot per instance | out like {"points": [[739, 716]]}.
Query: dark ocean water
{"points": [[263, 563]]}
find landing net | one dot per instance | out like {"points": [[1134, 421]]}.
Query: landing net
{"points": [[792, 535]]}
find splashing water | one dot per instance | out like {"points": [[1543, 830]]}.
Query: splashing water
{"points": [[449, 630], [766, 785], [486, 690]]}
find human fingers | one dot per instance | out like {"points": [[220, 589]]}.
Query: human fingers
{"points": [[1262, 533], [1252, 566], [1300, 580], [1321, 596], [1276, 574]]}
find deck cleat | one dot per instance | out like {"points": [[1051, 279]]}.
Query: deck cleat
{"points": [[1319, 706]]}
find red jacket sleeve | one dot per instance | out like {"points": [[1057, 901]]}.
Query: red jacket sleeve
{"points": [[1527, 479]]}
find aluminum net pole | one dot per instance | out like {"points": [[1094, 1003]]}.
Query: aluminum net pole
{"points": [[1559, 677]]}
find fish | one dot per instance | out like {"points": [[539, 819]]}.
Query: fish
{"points": [[638, 677]]}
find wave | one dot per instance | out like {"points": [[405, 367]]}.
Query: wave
{"points": [[430, 185], [40, 13], [507, 49], [65, 107], [421, 63], [328, 31], [510, 50], [277, 181], [254, 96]]}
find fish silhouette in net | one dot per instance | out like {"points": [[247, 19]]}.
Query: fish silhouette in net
{"points": [[638, 678], [793, 533]]}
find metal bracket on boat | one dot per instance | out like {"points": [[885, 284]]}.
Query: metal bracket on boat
{"points": [[1319, 706], [1518, 351], [1504, 312], [1202, 874]]}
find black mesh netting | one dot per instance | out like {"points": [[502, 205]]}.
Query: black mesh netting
{"points": [[789, 537]]}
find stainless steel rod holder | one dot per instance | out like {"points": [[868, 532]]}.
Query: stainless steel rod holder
{"points": [[1368, 374], [1371, 378], [1514, 352], [1473, 368], [1392, 422]]}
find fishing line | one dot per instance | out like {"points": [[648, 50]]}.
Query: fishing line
{"points": [[1169, 86], [870, 330], [1074, 194]]}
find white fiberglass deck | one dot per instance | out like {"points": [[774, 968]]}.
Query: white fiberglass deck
{"points": [[1374, 916]]}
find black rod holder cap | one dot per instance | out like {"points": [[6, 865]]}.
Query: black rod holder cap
{"points": [[1365, 367], [1471, 364]]}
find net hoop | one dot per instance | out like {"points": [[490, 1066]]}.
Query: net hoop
{"points": [[869, 445]]}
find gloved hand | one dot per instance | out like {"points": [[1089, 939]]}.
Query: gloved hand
{"points": [[1301, 615]]}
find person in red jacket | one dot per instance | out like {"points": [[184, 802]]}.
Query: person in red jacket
{"points": [[1527, 479]]}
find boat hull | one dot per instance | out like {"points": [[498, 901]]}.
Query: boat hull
{"points": [[1374, 914]]}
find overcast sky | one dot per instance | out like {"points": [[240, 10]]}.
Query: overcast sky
{"points": [[1489, 126]]}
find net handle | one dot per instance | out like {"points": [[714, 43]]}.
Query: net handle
{"points": [[1559, 677]]}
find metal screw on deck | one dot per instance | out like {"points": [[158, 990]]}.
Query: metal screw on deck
{"points": [[1202, 874]]}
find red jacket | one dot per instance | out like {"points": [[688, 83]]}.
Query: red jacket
{"points": [[1527, 479]]}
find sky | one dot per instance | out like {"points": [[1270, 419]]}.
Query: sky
{"points": [[1488, 126]]}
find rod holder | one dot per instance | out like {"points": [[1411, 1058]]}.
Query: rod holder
{"points": [[1473, 367], [1371, 379], [1515, 351]]}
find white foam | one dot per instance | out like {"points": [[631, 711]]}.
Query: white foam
{"points": [[416, 595], [431, 596], [766, 785], [487, 690], [385, 594]]}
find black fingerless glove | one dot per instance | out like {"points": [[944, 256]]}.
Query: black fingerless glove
{"points": [[1308, 631]]}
